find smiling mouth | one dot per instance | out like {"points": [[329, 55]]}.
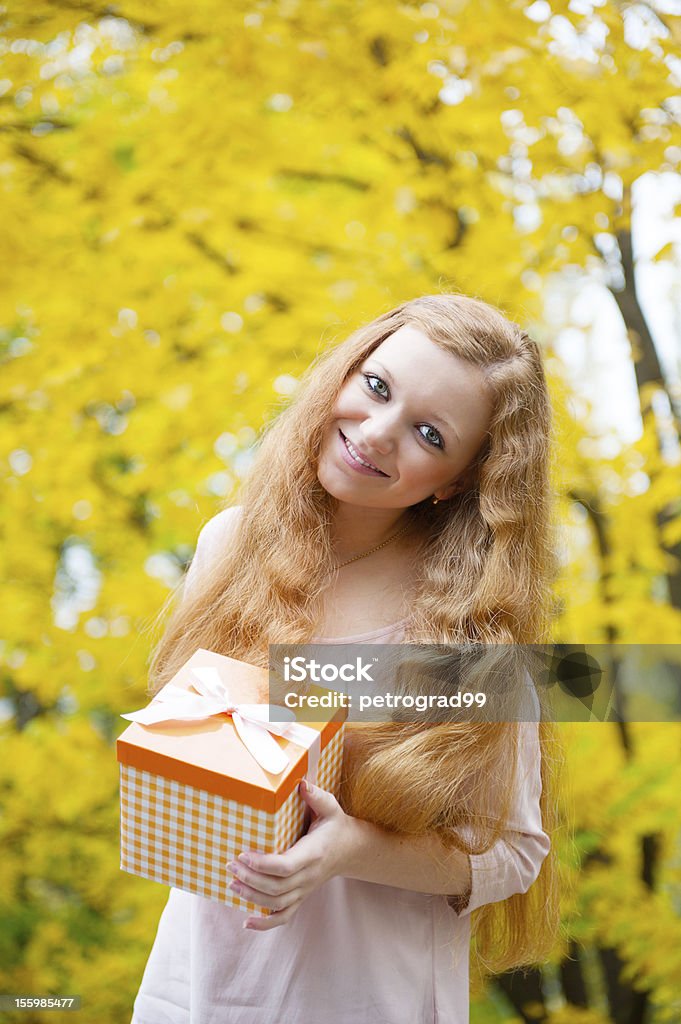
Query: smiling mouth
{"points": [[357, 457]]}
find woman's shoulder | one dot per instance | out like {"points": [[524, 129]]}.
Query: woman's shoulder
{"points": [[214, 532], [214, 535]]}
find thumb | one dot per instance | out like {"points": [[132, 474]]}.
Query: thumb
{"points": [[319, 800]]}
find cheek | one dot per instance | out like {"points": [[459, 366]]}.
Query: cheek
{"points": [[413, 469], [344, 405], [339, 411], [418, 469], [338, 403]]}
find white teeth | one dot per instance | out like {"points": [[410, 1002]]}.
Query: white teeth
{"points": [[358, 458]]}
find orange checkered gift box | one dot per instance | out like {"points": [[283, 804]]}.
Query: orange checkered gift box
{"points": [[205, 776]]}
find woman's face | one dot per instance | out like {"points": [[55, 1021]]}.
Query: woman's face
{"points": [[415, 413]]}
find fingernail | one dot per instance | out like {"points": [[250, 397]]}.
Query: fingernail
{"points": [[232, 866], [245, 859]]}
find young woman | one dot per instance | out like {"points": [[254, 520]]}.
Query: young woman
{"points": [[402, 497]]}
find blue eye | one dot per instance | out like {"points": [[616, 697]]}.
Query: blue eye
{"points": [[437, 443], [434, 441], [372, 376]]}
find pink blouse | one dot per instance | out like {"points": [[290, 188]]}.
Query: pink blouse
{"points": [[355, 952]]}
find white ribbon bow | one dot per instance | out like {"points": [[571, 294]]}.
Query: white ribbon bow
{"points": [[251, 721]]}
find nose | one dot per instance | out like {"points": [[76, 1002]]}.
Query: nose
{"points": [[378, 432]]}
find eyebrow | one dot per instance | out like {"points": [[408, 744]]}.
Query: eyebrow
{"points": [[436, 419]]}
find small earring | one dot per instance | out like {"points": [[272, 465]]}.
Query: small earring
{"points": [[435, 501]]}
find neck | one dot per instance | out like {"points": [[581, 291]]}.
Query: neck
{"points": [[355, 530]]}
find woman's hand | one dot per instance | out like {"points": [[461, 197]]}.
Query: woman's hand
{"points": [[281, 881]]}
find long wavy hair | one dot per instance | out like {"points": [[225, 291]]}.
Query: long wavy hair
{"points": [[484, 576]]}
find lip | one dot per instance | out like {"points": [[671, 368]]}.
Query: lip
{"points": [[357, 466]]}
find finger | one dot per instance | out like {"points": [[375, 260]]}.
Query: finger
{"points": [[264, 899], [280, 865], [277, 864], [321, 801], [273, 885]]}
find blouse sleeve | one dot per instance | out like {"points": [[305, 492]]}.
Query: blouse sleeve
{"points": [[213, 537], [512, 864]]}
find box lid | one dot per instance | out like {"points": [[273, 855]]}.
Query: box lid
{"points": [[209, 754]]}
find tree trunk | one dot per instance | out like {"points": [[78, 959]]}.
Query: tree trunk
{"points": [[626, 1004], [648, 370], [524, 991]]}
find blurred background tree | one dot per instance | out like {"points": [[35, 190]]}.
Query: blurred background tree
{"points": [[196, 199]]}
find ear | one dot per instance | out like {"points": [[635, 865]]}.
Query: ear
{"points": [[462, 483], [449, 491]]}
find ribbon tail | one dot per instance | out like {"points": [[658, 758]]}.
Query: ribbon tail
{"points": [[261, 745], [183, 708], [154, 715]]}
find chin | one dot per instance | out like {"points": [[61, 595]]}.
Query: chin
{"points": [[341, 490]]}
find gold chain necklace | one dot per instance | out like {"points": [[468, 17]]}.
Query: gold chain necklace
{"points": [[377, 548]]}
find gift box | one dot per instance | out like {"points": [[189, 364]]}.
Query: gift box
{"points": [[217, 778]]}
